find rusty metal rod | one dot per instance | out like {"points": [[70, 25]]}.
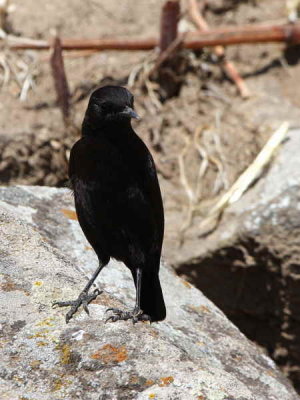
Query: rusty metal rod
{"points": [[169, 24], [193, 40], [227, 66]]}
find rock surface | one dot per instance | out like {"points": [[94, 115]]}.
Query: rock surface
{"points": [[195, 354], [250, 266]]}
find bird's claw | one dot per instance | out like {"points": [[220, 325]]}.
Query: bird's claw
{"points": [[84, 299], [119, 315], [115, 310]]}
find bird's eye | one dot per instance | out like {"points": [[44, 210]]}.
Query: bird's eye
{"points": [[105, 106], [108, 107]]}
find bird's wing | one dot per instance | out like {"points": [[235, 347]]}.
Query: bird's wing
{"points": [[120, 195]]}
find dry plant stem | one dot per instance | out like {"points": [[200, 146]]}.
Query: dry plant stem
{"points": [[6, 70], [142, 70], [149, 85], [248, 176], [289, 33], [193, 196], [219, 150], [182, 173], [203, 165], [228, 66], [60, 79]]}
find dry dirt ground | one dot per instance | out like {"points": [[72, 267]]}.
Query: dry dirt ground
{"points": [[208, 114]]}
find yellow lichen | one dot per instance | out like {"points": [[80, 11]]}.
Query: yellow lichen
{"points": [[40, 334], [40, 343], [57, 384], [65, 353], [46, 322], [152, 396], [38, 283]]}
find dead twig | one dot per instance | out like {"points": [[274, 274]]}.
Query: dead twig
{"points": [[220, 153], [227, 66], [247, 177], [193, 195]]}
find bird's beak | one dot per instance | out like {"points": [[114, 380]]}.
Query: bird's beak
{"points": [[130, 113]]}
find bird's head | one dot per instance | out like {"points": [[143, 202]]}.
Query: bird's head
{"points": [[110, 104]]}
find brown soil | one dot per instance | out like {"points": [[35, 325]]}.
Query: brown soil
{"points": [[34, 144]]}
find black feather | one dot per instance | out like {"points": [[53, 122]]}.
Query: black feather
{"points": [[117, 195]]}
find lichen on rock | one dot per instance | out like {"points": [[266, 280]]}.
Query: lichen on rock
{"points": [[195, 353]]}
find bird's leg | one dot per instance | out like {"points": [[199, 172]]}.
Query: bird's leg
{"points": [[136, 314], [83, 299]]}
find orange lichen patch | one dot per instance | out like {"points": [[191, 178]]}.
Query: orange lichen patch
{"points": [[204, 309], [41, 343], [270, 372], [166, 381], [201, 397], [154, 333], [134, 380], [70, 214], [38, 283], [201, 309], [149, 382], [109, 353], [9, 286], [106, 300], [186, 284]]}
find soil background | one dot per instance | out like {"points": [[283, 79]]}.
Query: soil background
{"points": [[34, 144]]}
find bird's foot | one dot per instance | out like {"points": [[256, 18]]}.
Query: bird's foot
{"points": [[84, 299], [135, 315]]}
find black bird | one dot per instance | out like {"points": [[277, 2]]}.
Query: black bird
{"points": [[118, 201]]}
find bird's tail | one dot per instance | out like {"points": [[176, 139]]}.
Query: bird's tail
{"points": [[152, 300]]}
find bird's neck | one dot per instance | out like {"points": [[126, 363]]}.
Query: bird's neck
{"points": [[110, 128]]}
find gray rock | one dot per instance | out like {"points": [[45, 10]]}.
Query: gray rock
{"points": [[195, 354], [250, 266]]}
